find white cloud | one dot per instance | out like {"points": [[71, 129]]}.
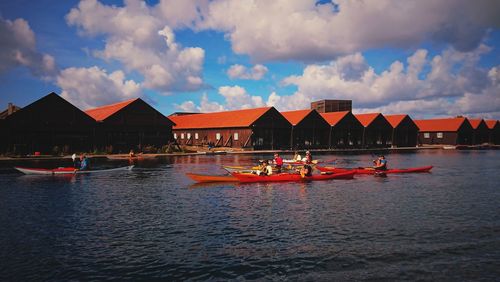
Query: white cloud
{"points": [[136, 36], [18, 48], [93, 87], [305, 30], [450, 83], [257, 72]]}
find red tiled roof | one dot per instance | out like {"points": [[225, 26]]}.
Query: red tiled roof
{"points": [[443, 124], [239, 118], [102, 113], [367, 119], [334, 117], [491, 123], [395, 120], [475, 123], [295, 117]]}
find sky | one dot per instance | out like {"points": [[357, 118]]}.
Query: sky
{"points": [[424, 58]]}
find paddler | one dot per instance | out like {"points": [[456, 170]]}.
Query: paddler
{"points": [[278, 162]]}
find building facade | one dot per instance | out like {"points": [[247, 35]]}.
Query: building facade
{"points": [[377, 131], [447, 131], [404, 131], [327, 106], [345, 130], [309, 129]]}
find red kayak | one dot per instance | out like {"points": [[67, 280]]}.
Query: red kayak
{"points": [[65, 170], [362, 170], [249, 177]]}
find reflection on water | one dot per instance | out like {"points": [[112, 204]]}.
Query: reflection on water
{"points": [[155, 223]]}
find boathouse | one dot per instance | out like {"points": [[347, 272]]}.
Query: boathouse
{"points": [[481, 133], [345, 130], [309, 129], [131, 124], [258, 128], [50, 125], [494, 134], [377, 131], [404, 131], [446, 131]]}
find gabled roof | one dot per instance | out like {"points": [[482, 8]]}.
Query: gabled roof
{"points": [[475, 123], [102, 113], [395, 120], [334, 117], [491, 123], [239, 118], [295, 117], [367, 119], [443, 124]]}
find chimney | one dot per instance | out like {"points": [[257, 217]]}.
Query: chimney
{"points": [[10, 109]]}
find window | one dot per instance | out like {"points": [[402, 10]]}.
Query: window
{"points": [[439, 135], [217, 136], [182, 135], [236, 136], [427, 135], [196, 136], [189, 136], [175, 135]]}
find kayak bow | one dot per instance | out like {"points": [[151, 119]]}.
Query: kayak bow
{"points": [[373, 171]]}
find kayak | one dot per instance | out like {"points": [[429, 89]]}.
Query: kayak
{"points": [[249, 177], [362, 170], [66, 170], [211, 178], [242, 169]]}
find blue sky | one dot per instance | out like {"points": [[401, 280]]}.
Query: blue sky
{"points": [[425, 59]]}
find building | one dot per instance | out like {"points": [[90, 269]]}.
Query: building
{"points": [[446, 131], [50, 125], [494, 127], [259, 128], [11, 108], [345, 130], [309, 129], [131, 124], [404, 131], [377, 131], [481, 133], [327, 106]]}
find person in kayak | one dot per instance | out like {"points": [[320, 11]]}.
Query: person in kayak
{"points": [[297, 157], [380, 163], [278, 162], [265, 169], [306, 170], [84, 163], [308, 158]]}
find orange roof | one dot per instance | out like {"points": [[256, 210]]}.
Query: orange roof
{"points": [[102, 113], [295, 117], [239, 118], [367, 119], [443, 124], [395, 120], [491, 123], [475, 123], [334, 117]]}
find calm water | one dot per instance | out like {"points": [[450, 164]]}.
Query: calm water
{"points": [[153, 223]]}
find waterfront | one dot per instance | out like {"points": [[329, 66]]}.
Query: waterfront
{"points": [[154, 223]]}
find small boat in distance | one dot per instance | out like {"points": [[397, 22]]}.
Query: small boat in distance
{"points": [[66, 170]]}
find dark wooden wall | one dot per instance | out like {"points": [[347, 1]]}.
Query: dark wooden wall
{"points": [[378, 133], [347, 133], [405, 134]]}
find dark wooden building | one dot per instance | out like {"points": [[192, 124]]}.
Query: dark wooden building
{"points": [[132, 124], [50, 125], [481, 133], [259, 128], [446, 131], [377, 131], [327, 106], [345, 130], [309, 129], [404, 131], [494, 134]]}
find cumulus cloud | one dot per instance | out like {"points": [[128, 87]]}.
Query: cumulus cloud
{"points": [[93, 87], [138, 38], [257, 72], [450, 83], [18, 48], [306, 30]]}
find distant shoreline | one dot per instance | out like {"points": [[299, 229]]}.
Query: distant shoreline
{"points": [[217, 152]]}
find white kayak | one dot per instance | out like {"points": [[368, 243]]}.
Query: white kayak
{"points": [[66, 170]]}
